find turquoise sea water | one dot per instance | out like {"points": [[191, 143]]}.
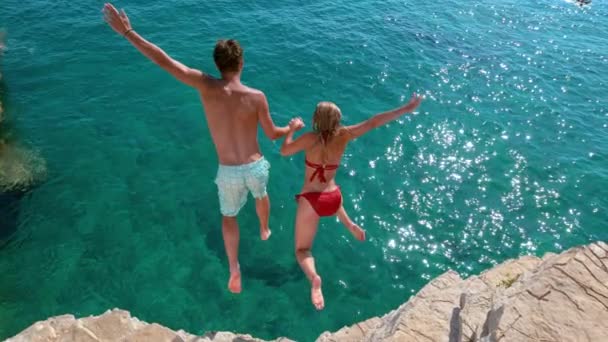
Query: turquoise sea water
{"points": [[508, 156]]}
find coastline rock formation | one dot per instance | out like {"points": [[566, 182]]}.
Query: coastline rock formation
{"points": [[561, 297], [557, 298], [116, 325]]}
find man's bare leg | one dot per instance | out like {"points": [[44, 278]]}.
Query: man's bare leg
{"points": [[307, 222], [352, 227], [262, 207], [230, 230]]}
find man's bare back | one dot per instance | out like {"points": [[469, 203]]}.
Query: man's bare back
{"points": [[233, 110]]}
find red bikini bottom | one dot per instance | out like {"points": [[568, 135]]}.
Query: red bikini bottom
{"points": [[324, 203]]}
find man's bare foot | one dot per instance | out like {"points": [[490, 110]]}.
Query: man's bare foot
{"points": [[234, 283], [265, 233], [357, 232], [315, 293]]}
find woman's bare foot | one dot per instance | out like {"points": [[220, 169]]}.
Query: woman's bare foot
{"points": [[234, 283], [265, 233], [316, 295], [357, 232]]}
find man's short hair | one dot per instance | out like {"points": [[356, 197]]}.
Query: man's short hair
{"points": [[228, 55]]}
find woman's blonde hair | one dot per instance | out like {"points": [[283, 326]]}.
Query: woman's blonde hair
{"points": [[326, 123], [326, 120]]}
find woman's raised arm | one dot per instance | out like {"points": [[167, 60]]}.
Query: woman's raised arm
{"points": [[383, 118]]}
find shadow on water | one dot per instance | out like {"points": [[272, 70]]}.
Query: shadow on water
{"points": [[9, 214], [273, 274], [259, 267]]}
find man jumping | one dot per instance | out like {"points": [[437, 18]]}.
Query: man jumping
{"points": [[233, 112]]}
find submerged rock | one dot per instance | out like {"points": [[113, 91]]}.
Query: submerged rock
{"points": [[557, 298], [20, 170]]}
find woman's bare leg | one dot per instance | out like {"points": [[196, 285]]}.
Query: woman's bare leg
{"points": [[307, 222], [352, 227]]}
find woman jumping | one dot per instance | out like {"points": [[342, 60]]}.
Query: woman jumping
{"points": [[320, 195]]}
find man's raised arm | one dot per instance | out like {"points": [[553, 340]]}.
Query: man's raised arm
{"points": [[120, 23], [272, 132]]}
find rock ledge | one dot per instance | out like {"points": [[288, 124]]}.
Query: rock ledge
{"points": [[557, 298], [116, 325]]}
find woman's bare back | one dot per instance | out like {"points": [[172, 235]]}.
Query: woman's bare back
{"points": [[327, 155]]}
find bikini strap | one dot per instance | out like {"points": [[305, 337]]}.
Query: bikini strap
{"points": [[320, 170]]}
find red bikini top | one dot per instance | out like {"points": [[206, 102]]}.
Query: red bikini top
{"points": [[320, 170]]}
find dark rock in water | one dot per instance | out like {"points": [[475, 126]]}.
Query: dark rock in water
{"points": [[583, 2], [9, 213]]}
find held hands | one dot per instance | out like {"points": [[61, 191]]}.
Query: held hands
{"points": [[119, 22], [296, 124]]}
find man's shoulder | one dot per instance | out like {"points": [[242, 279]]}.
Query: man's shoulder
{"points": [[255, 92], [256, 96], [207, 82]]}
